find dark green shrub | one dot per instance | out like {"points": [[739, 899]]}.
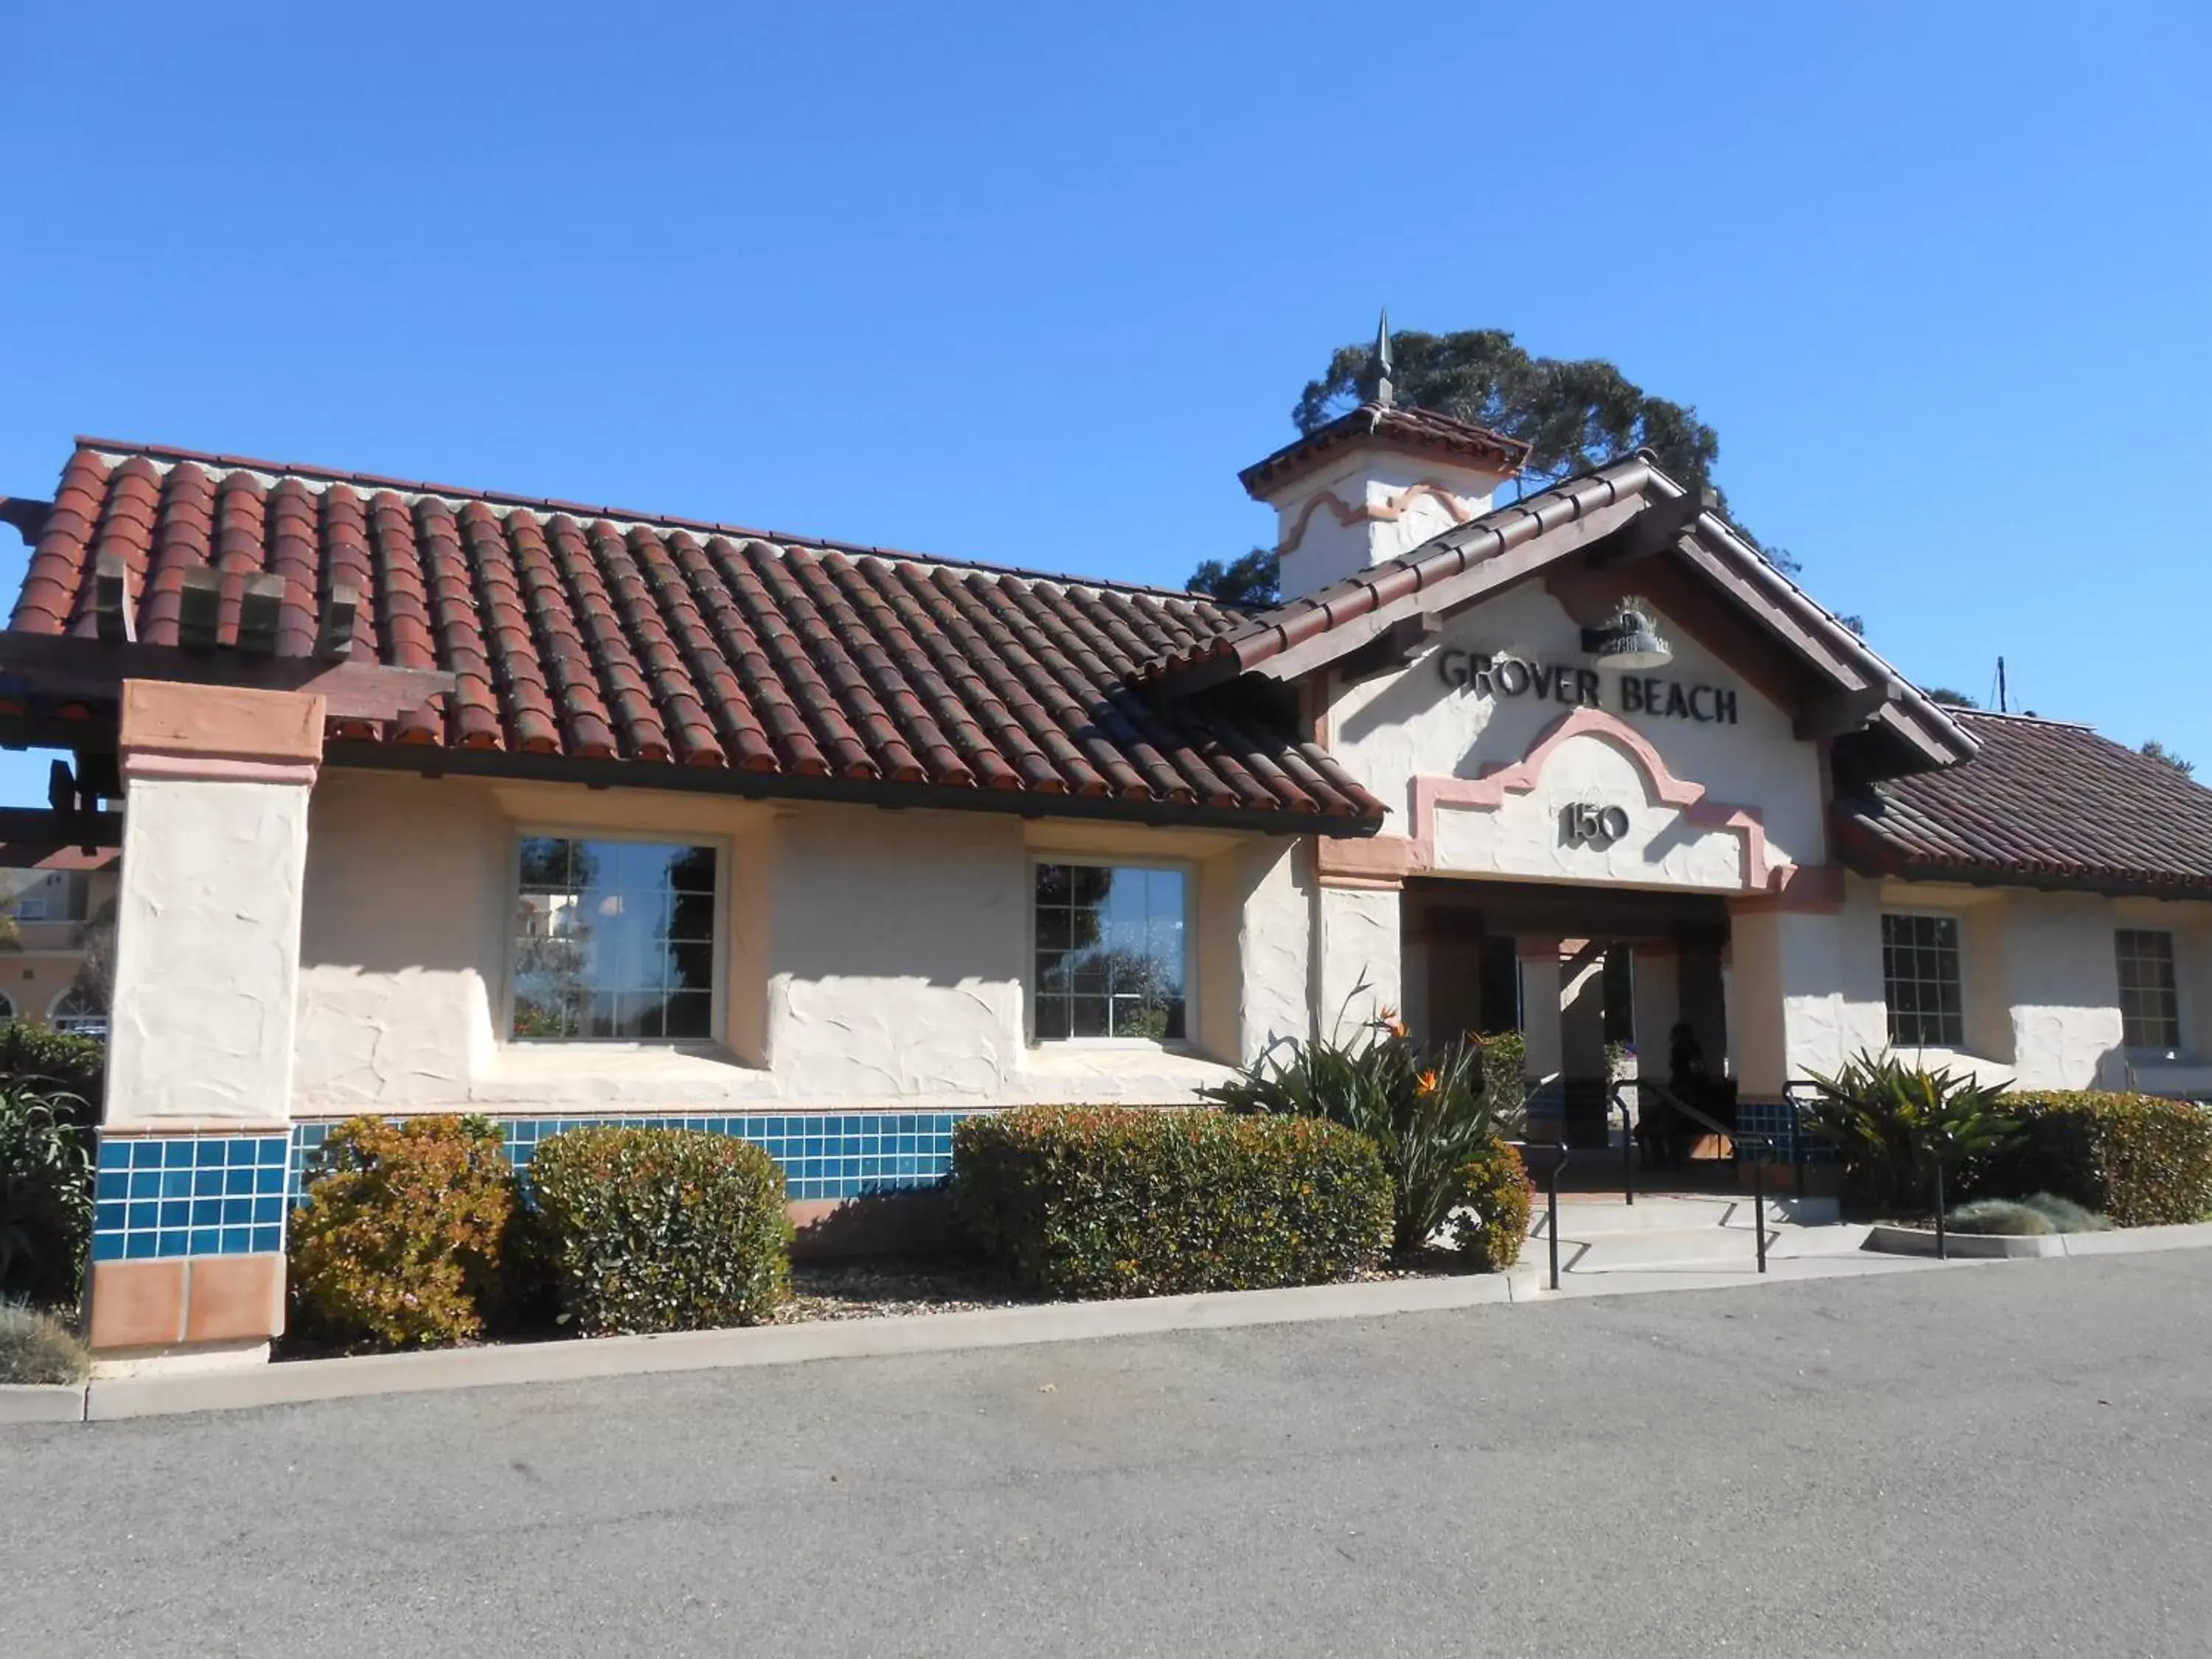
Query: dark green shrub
{"points": [[1426, 1112], [45, 1195], [1890, 1123], [401, 1241], [2139, 1159], [36, 1347], [661, 1230], [1492, 1221], [55, 1064], [1102, 1201]]}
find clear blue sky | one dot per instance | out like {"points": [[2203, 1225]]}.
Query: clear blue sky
{"points": [[1030, 283]]}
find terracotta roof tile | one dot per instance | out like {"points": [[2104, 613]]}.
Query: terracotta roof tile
{"points": [[581, 633], [2043, 803]]}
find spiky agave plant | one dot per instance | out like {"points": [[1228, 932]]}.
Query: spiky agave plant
{"points": [[1893, 1123], [1426, 1110]]}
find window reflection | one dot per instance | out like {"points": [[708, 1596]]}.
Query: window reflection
{"points": [[614, 939], [1109, 952]]}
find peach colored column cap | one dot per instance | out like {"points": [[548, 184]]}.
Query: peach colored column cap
{"points": [[221, 722]]}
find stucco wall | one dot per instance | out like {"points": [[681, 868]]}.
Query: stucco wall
{"points": [[401, 948], [1393, 728], [206, 967], [868, 957], [2040, 981]]}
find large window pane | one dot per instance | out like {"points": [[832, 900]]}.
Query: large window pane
{"points": [[614, 939], [2150, 1001], [1920, 981], [1110, 952]]}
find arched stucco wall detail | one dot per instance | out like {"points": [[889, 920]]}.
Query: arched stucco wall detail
{"points": [[1385, 858], [1457, 510]]}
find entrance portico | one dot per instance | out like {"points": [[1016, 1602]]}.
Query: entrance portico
{"points": [[1589, 843]]}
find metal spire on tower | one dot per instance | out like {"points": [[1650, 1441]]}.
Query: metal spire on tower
{"points": [[1382, 388]]}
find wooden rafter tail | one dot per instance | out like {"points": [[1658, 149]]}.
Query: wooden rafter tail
{"points": [[334, 634], [258, 609], [113, 611], [199, 609]]}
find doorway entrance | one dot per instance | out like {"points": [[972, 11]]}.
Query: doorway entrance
{"points": [[1604, 984]]}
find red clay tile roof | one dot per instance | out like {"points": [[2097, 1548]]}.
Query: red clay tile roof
{"points": [[1417, 431], [2043, 803], [590, 636]]}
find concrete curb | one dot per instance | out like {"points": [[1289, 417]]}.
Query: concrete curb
{"points": [[298, 1382], [1888, 1240], [2121, 1241], [42, 1402]]}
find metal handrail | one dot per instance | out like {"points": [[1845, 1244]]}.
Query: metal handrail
{"points": [[1737, 1138], [1555, 1161]]}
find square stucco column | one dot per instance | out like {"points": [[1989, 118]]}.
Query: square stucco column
{"points": [[1358, 946], [1542, 1025], [196, 1131], [1792, 1017]]}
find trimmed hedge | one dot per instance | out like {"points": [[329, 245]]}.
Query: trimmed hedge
{"points": [[2139, 1159], [403, 1237], [661, 1230], [1493, 1223], [1114, 1201]]}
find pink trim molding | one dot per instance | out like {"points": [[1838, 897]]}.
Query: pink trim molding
{"points": [[1390, 513], [1384, 859], [215, 769]]}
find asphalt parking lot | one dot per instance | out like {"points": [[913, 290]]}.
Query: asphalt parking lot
{"points": [[2014, 1460]]}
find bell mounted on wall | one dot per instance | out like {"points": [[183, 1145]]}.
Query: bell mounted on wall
{"points": [[1629, 641]]}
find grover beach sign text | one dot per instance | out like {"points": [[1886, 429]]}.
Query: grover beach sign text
{"points": [[1490, 676]]}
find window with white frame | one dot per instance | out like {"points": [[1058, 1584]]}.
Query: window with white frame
{"points": [[7, 1008], [1920, 981], [1112, 952], [2150, 1005], [613, 941]]}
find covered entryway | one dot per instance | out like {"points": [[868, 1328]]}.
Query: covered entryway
{"points": [[1596, 979]]}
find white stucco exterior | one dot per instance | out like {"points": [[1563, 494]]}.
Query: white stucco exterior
{"points": [[207, 966], [1395, 731]]}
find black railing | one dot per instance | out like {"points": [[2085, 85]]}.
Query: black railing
{"points": [[1737, 1137], [1547, 1159]]}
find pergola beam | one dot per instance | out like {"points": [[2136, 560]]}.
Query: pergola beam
{"points": [[66, 668]]}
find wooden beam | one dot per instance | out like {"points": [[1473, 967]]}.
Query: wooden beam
{"points": [[334, 635], [63, 668], [1840, 712], [199, 609], [1409, 636], [38, 827], [257, 610], [1655, 528], [111, 601], [28, 516]]}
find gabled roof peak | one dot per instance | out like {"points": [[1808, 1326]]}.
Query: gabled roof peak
{"points": [[1411, 431]]}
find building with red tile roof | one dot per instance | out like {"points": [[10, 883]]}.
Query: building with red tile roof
{"points": [[435, 799]]}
